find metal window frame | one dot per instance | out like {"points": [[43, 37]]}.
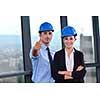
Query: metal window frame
{"points": [[14, 74], [63, 23], [26, 45], [95, 23]]}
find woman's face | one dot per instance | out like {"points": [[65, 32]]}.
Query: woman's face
{"points": [[69, 41]]}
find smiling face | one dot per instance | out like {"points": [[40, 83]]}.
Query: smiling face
{"points": [[69, 41], [46, 37]]}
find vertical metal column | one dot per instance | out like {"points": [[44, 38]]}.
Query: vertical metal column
{"points": [[26, 44], [64, 22], [96, 34]]}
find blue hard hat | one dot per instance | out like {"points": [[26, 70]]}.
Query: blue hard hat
{"points": [[68, 31], [45, 27]]}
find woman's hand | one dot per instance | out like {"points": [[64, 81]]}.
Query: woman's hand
{"points": [[67, 74], [79, 68]]}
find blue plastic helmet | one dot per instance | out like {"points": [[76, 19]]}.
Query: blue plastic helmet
{"points": [[45, 27], [68, 31]]}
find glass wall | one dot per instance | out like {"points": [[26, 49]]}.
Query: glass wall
{"points": [[15, 79], [85, 41], [90, 75], [11, 58], [36, 21]]}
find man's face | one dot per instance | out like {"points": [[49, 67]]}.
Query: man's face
{"points": [[46, 36], [69, 41]]}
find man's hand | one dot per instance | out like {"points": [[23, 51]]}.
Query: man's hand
{"points": [[36, 48], [38, 45]]}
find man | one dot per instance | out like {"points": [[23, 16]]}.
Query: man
{"points": [[39, 55]]}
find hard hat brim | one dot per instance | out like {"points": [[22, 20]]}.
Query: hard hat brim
{"points": [[46, 30], [68, 35]]}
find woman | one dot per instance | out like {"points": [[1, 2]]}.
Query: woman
{"points": [[68, 65]]}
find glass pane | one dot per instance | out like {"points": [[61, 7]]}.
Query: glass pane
{"points": [[11, 58], [15, 79], [35, 22], [90, 75], [84, 42], [83, 26]]}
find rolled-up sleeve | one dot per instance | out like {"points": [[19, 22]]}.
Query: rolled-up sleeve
{"points": [[31, 56]]}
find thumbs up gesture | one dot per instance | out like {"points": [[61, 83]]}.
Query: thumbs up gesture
{"points": [[37, 47]]}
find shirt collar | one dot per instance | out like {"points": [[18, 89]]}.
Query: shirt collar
{"points": [[71, 52], [44, 46]]}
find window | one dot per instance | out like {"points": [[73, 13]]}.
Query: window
{"points": [[15, 79], [36, 21], [85, 42], [11, 58], [83, 26], [90, 75]]}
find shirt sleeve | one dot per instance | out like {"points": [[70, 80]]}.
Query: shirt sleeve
{"points": [[80, 74], [31, 56]]}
